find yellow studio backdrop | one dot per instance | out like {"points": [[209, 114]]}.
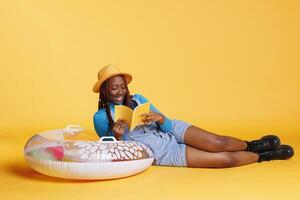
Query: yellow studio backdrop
{"points": [[231, 67]]}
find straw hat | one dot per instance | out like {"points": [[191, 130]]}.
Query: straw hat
{"points": [[107, 72]]}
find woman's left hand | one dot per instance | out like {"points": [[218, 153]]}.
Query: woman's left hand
{"points": [[152, 117]]}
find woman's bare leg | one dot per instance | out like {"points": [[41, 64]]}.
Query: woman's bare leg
{"points": [[199, 158], [208, 141]]}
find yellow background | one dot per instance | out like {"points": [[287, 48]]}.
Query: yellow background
{"points": [[231, 67]]}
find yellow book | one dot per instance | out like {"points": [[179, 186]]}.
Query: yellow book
{"points": [[132, 117]]}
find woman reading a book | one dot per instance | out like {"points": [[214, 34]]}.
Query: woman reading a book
{"points": [[175, 142]]}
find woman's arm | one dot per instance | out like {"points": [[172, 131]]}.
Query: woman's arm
{"points": [[101, 124], [165, 124]]}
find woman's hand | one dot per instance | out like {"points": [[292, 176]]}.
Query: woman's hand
{"points": [[119, 128], [153, 117]]}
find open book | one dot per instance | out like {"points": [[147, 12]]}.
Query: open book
{"points": [[132, 117]]}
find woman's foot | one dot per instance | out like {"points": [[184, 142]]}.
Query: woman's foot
{"points": [[268, 142], [282, 152]]}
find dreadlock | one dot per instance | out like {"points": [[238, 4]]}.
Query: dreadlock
{"points": [[104, 101]]}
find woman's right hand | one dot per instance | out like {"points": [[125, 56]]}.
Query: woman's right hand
{"points": [[119, 128]]}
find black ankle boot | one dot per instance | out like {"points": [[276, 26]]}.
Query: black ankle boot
{"points": [[268, 142], [282, 152]]}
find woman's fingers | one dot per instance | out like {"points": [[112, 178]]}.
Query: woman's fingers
{"points": [[147, 114], [149, 119], [119, 126], [118, 123], [123, 126]]}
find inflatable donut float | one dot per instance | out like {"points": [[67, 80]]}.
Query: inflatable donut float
{"points": [[58, 153]]}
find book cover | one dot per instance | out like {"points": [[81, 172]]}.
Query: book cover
{"points": [[132, 117]]}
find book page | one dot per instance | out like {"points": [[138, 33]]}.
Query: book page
{"points": [[136, 119], [123, 112]]}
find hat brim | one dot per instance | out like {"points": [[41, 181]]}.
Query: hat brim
{"points": [[96, 88]]}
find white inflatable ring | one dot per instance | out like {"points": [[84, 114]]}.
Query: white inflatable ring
{"points": [[49, 153]]}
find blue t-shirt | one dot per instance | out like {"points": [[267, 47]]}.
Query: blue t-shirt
{"points": [[101, 122]]}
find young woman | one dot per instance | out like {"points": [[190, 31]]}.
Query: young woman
{"points": [[174, 142]]}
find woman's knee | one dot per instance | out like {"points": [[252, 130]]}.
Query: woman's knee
{"points": [[229, 160], [219, 143]]}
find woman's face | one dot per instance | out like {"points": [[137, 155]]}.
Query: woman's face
{"points": [[117, 89]]}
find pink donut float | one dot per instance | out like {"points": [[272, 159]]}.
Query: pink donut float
{"points": [[51, 154]]}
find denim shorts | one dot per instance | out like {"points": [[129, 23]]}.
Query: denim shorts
{"points": [[176, 154], [168, 147], [178, 129]]}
